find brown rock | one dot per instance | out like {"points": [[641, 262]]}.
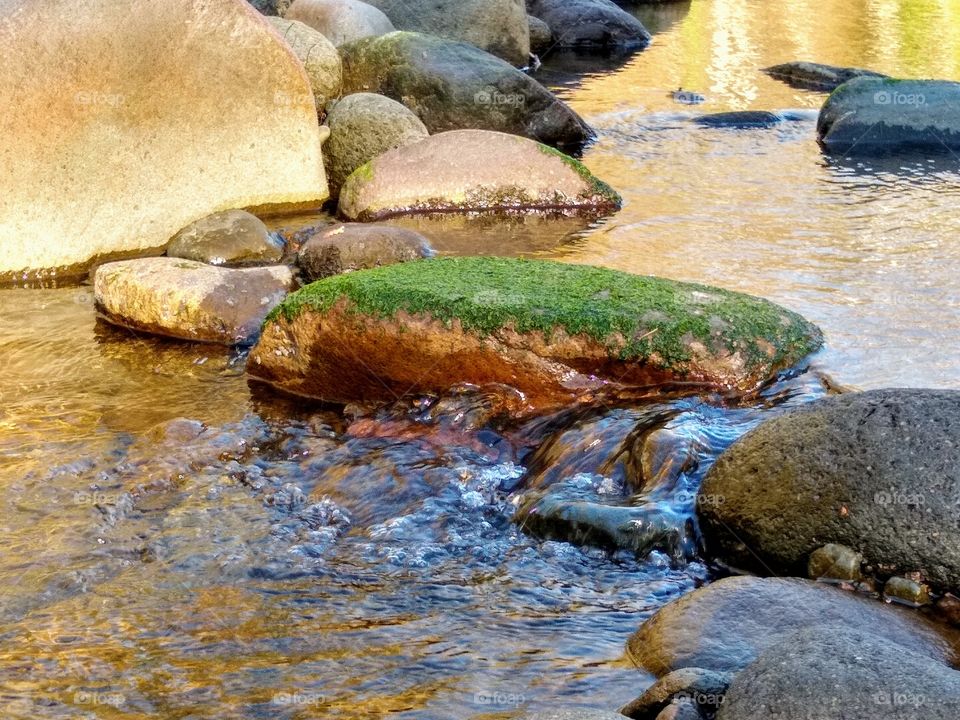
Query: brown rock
{"points": [[343, 248]]}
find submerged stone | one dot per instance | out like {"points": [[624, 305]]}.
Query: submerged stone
{"points": [[558, 333], [230, 238], [349, 247], [740, 119], [816, 76], [452, 85], [472, 170], [130, 121], [189, 300], [870, 115]]}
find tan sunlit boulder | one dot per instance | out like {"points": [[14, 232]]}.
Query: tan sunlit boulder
{"points": [[122, 122]]}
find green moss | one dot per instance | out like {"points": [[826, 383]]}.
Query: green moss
{"points": [[652, 315], [598, 185]]}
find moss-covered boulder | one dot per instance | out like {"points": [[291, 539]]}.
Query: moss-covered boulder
{"points": [[453, 85], [472, 170], [870, 115], [497, 26], [558, 333]]}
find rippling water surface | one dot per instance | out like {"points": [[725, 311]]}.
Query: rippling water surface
{"points": [[263, 558]]}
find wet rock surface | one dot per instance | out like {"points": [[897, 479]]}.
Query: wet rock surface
{"points": [[870, 115], [190, 300], [725, 626], [875, 471], [231, 238], [344, 248], [472, 171], [741, 119], [452, 86]]}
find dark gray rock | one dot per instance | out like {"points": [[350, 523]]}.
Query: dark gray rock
{"points": [[740, 119], [816, 76], [590, 24], [681, 709], [684, 687], [541, 36], [271, 7], [343, 248], [877, 471], [878, 115], [726, 625], [828, 673], [452, 86], [232, 238]]}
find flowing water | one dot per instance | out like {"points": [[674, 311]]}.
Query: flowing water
{"points": [[259, 557]]}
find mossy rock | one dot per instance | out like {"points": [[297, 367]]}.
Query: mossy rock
{"points": [[452, 85], [558, 333], [473, 170]]}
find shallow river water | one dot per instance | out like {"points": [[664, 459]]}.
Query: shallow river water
{"points": [[265, 558]]}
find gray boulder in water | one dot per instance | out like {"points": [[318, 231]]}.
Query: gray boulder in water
{"points": [[816, 76], [879, 115]]}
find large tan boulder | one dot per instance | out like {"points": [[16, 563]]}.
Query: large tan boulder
{"points": [[122, 122]]}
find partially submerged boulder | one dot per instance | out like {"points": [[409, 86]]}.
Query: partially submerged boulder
{"points": [[597, 24], [870, 115], [86, 176], [189, 300], [319, 58], [362, 127], [341, 21], [878, 472], [230, 238], [725, 626], [472, 170], [740, 119], [345, 248], [452, 85], [541, 36], [555, 332], [816, 76], [497, 26]]}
